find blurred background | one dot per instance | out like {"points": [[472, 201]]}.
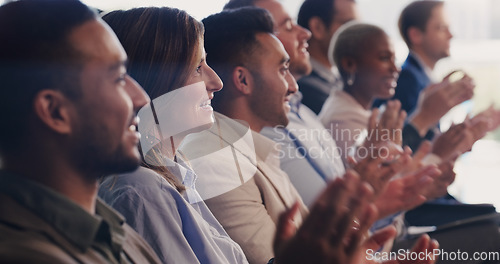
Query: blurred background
{"points": [[474, 49]]}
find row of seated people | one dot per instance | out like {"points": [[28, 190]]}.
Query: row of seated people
{"points": [[203, 173]]}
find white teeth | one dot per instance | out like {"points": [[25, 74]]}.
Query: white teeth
{"points": [[132, 128], [206, 103]]}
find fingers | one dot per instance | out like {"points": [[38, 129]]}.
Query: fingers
{"points": [[479, 127], [447, 77], [333, 205], [326, 208], [459, 90], [441, 183], [451, 141], [372, 121], [328, 230], [378, 170], [390, 114], [428, 171], [423, 150], [285, 228], [356, 207], [424, 244], [380, 237], [391, 123], [351, 162], [418, 184]]}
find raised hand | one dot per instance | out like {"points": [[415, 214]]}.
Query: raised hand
{"points": [[452, 142], [441, 182], [389, 126], [387, 160], [437, 99], [367, 253], [406, 192], [334, 232], [327, 234]]}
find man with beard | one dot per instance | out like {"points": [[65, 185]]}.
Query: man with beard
{"points": [[238, 169], [308, 155], [68, 109]]}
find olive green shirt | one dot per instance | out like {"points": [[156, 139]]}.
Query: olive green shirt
{"points": [[56, 219]]}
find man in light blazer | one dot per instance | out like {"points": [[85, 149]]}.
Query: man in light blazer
{"points": [[238, 169]]}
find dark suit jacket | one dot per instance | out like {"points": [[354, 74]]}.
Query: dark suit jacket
{"points": [[313, 97], [412, 80]]}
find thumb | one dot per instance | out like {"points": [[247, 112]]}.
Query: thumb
{"points": [[285, 228], [447, 77], [378, 239]]}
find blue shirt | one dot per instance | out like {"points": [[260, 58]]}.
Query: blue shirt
{"points": [[308, 153], [180, 228]]}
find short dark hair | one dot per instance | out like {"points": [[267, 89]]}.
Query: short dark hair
{"points": [[416, 14], [230, 40], [351, 40], [235, 4], [161, 45], [35, 54], [324, 9]]}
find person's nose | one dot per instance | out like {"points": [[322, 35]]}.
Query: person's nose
{"points": [[304, 34], [212, 81], [138, 96], [293, 87]]}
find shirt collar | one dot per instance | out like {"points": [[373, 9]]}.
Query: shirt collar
{"points": [[65, 216], [182, 170], [264, 146], [295, 102], [324, 72], [428, 71]]}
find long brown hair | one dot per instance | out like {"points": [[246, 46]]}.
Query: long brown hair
{"points": [[161, 44]]}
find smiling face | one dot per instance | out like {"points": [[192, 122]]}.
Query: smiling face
{"points": [[293, 37], [187, 109], [201, 72], [104, 130], [376, 70], [273, 82]]}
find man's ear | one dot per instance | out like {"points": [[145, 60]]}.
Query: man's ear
{"points": [[53, 109], [242, 80], [317, 28], [415, 35], [348, 64]]}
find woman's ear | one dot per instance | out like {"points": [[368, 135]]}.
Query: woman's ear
{"points": [[53, 109], [349, 64], [242, 80]]}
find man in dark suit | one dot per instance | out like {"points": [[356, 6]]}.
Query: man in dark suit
{"points": [[425, 30]]}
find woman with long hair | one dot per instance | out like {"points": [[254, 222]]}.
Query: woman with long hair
{"points": [[167, 57]]}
